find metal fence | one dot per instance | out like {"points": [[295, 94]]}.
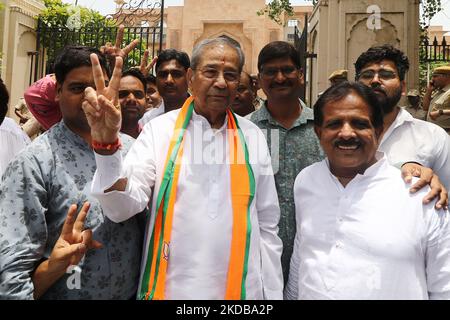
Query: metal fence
{"points": [[50, 40], [301, 44], [435, 52]]}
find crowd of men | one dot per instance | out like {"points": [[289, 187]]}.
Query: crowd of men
{"points": [[187, 185]]}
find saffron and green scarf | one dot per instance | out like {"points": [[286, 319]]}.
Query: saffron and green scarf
{"points": [[242, 193]]}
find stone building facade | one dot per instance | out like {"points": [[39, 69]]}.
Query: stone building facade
{"points": [[185, 26], [17, 41], [340, 30], [439, 33]]}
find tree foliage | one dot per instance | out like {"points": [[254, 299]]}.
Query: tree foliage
{"points": [[58, 14], [276, 9], [62, 24], [428, 9]]}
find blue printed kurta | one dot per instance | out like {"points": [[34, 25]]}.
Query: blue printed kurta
{"points": [[36, 192]]}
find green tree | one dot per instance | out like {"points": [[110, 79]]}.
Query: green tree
{"points": [[58, 14], [276, 9], [428, 9], [61, 24]]}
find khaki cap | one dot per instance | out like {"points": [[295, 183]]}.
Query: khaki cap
{"points": [[413, 93], [442, 70], [338, 74]]}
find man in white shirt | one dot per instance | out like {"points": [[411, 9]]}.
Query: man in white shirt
{"points": [[369, 238], [12, 138], [132, 98], [171, 82], [192, 242], [404, 138]]}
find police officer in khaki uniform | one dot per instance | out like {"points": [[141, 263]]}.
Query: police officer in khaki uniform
{"points": [[414, 106], [437, 98], [338, 76]]}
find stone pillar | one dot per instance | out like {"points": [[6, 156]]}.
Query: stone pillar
{"points": [[340, 30], [17, 38]]}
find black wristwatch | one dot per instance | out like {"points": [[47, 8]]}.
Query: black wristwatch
{"points": [[441, 112]]}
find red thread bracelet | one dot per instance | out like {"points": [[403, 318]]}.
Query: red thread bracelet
{"points": [[106, 146]]}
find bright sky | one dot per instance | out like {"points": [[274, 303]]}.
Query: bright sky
{"points": [[108, 6]]}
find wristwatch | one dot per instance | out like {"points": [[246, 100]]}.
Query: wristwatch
{"points": [[441, 112]]}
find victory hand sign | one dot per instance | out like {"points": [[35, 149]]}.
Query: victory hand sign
{"points": [[101, 105]]}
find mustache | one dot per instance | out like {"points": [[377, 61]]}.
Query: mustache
{"points": [[130, 105], [347, 143], [170, 85], [377, 87], [281, 85]]}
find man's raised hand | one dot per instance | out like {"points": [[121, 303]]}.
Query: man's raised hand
{"points": [[145, 67], [101, 105], [74, 240], [116, 50], [69, 249]]}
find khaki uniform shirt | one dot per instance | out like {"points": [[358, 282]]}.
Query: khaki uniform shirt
{"points": [[441, 101]]}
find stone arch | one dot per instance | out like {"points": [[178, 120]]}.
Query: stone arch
{"points": [[359, 39]]}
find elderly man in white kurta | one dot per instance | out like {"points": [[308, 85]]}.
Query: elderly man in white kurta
{"points": [[212, 233], [369, 238]]}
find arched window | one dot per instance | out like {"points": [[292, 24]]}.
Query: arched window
{"points": [[236, 43]]}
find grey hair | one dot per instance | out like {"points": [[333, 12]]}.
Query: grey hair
{"points": [[200, 47]]}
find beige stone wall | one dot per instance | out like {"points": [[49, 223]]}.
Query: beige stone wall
{"points": [[339, 33], [200, 19], [17, 38], [439, 33], [237, 19]]}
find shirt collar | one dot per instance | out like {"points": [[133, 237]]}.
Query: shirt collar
{"points": [[69, 136], [403, 117], [205, 124], [446, 88], [263, 115], [374, 170], [160, 110]]}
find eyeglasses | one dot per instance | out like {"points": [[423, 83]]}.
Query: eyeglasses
{"points": [[138, 94], [382, 74], [287, 71], [213, 74]]}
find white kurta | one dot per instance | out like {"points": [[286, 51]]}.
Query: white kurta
{"points": [[369, 240], [202, 223], [152, 114], [409, 139], [12, 141]]}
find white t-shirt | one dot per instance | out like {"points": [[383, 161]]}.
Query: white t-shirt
{"points": [[12, 141]]}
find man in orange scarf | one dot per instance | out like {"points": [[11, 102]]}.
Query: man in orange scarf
{"points": [[212, 232]]}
